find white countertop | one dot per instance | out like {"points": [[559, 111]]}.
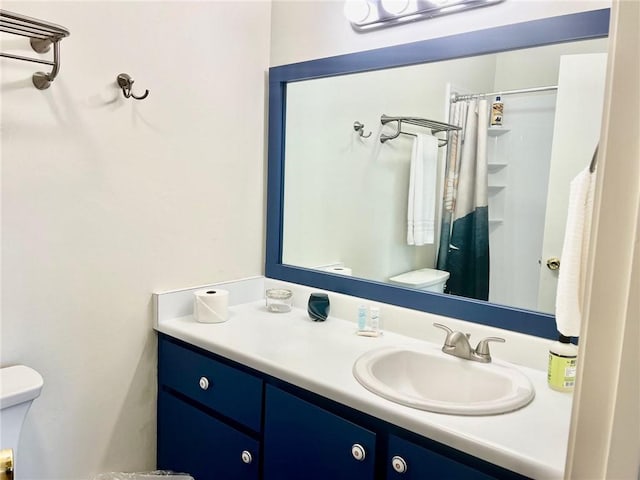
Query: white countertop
{"points": [[319, 356]]}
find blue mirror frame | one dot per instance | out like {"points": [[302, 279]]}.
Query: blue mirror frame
{"points": [[566, 28]]}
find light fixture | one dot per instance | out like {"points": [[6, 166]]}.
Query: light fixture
{"points": [[394, 7], [366, 15], [357, 11]]}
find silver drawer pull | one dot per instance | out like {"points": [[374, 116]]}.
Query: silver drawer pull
{"points": [[358, 452], [398, 464], [246, 457], [204, 383]]}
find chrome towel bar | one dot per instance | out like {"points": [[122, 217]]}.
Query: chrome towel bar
{"points": [[433, 125], [42, 35]]}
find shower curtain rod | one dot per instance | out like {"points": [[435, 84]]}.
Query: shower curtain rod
{"points": [[455, 97]]}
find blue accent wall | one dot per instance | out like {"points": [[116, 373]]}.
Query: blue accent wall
{"points": [[566, 28]]}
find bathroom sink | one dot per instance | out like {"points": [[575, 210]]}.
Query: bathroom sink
{"points": [[428, 379]]}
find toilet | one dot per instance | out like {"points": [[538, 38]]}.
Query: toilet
{"points": [[19, 386], [427, 279]]}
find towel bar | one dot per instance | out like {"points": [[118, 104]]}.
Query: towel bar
{"points": [[41, 36]]}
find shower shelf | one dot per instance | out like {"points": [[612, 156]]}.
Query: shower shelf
{"points": [[41, 35], [434, 126], [494, 167], [497, 131]]}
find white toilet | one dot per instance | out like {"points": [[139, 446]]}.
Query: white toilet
{"points": [[19, 386], [427, 279]]}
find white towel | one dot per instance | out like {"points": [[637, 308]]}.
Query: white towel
{"points": [[421, 205], [575, 249]]}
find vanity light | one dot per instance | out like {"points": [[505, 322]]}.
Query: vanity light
{"points": [[357, 11], [394, 7], [366, 15]]}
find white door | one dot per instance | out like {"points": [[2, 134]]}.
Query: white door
{"points": [[576, 131]]}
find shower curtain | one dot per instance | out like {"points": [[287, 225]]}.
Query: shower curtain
{"points": [[464, 240]]}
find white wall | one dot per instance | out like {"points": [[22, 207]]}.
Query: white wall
{"points": [[106, 200]]}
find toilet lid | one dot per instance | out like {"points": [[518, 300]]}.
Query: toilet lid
{"points": [[18, 384], [424, 277]]}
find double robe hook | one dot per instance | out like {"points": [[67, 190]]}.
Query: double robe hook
{"points": [[359, 128], [125, 82]]}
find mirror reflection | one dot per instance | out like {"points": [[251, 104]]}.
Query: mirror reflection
{"points": [[477, 211]]}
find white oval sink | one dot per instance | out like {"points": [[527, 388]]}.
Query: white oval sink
{"points": [[428, 379]]}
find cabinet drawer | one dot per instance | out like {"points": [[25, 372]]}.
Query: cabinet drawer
{"points": [[233, 393], [190, 441]]}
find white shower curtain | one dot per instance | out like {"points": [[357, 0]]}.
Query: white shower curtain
{"points": [[464, 244]]}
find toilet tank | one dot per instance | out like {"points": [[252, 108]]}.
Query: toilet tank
{"points": [[19, 386], [427, 279]]}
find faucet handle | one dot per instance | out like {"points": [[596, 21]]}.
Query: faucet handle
{"points": [[482, 350], [446, 329], [448, 341], [443, 327]]}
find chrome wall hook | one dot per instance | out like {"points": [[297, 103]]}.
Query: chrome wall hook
{"points": [[125, 82], [359, 127]]}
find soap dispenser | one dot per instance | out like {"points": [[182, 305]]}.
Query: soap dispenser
{"points": [[561, 373]]}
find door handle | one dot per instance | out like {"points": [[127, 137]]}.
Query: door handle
{"points": [[553, 263], [6, 464]]}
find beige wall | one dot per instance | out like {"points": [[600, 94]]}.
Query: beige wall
{"points": [[106, 200]]}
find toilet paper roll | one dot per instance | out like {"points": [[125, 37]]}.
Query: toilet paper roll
{"points": [[210, 305], [339, 270]]}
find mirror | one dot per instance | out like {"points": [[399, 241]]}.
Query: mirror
{"points": [[338, 199]]}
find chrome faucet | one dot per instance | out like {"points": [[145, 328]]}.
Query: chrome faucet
{"points": [[457, 344]]}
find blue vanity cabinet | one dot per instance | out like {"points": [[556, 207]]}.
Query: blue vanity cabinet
{"points": [[209, 415], [408, 461], [302, 440], [243, 424]]}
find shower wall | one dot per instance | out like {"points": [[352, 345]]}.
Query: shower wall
{"points": [[519, 156]]}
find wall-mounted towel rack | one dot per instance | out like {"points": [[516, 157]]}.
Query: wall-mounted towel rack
{"points": [[433, 125], [42, 35]]}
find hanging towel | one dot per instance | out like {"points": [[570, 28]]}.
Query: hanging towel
{"points": [[575, 249], [421, 204]]}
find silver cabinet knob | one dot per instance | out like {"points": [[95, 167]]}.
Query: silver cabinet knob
{"points": [[204, 383], [246, 457], [398, 464], [358, 452]]}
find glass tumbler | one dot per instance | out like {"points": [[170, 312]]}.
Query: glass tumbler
{"points": [[279, 300]]}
